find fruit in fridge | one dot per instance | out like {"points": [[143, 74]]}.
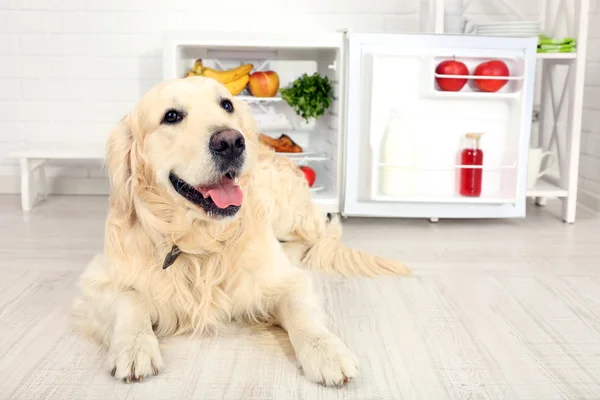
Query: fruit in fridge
{"points": [[224, 77], [451, 67], [309, 174], [491, 68], [235, 87], [263, 84]]}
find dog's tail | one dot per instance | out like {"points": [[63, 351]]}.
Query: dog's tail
{"points": [[329, 255]]}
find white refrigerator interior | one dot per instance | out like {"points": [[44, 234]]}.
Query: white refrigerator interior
{"points": [[404, 134]]}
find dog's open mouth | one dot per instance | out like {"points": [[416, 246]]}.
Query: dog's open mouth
{"points": [[222, 198]]}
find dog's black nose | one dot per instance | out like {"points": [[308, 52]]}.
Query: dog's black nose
{"points": [[228, 143]]}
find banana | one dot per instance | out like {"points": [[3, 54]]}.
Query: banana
{"points": [[236, 86], [190, 73], [226, 76], [222, 76], [197, 68]]}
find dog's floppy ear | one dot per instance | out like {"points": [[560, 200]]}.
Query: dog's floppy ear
{"points": [[119, 163]]}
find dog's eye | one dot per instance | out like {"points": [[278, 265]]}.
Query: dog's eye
{"points": [[172, 117], [227, 106]]}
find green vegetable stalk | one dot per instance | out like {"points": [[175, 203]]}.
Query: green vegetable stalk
{"points": [[309, 96]]}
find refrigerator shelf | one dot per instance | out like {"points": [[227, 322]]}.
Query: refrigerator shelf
{"points": [[256, 100], [312, 157], [448, 168], [470, 91], [447, 199], [510, 90], [290, 132], [472, 95], [477, 77]]}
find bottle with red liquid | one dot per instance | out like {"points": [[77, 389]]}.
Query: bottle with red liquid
{"points": [[471, 155]]}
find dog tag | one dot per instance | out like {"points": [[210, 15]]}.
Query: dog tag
{"points": [[171, 257]]}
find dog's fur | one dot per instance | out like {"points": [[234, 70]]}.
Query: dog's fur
{"points": [[229, 268]]}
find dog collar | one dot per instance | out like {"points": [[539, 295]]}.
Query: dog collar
{"points": [[171, 257]]}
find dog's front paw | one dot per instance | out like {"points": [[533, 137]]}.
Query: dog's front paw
{"points": [[132, 358], [326, 359]]}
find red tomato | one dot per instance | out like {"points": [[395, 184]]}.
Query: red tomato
{"points": [[491, 68], [451, 67], [309, 174]]}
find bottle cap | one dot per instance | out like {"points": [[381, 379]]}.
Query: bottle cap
{"points": [[476, 136]]}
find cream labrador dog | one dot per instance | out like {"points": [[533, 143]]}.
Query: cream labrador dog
{"points": [[193, 237]]}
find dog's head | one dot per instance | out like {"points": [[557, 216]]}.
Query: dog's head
{"points": [[192, 139]]}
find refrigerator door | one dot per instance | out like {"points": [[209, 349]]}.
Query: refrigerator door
{"points": [[405, 133]]}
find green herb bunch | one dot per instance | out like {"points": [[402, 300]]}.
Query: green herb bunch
{"points": [[309, 96]]}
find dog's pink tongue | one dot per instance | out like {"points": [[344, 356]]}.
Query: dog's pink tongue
{"points": [[224, 194]]}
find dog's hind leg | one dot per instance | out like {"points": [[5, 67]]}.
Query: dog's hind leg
{"points": [[312, 238]]}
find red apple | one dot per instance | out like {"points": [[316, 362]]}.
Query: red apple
{"points": [[451, 67], [309, 174], [491, 68], [263, 84]]}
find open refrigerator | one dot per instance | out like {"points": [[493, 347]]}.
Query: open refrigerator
{"points": [[384, 87], [289, 55]]}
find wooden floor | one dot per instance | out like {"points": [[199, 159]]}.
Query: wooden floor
{"points": [[495, 310]]}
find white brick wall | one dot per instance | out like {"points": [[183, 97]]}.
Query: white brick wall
{"points": [[589, 167], [69, 69]]}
